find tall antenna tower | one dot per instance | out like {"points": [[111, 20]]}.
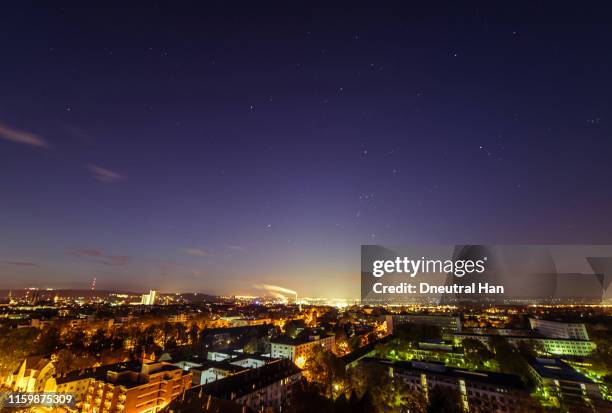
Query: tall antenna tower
{"points": [[93, 284]]}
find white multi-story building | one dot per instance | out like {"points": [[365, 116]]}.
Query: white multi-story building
{"points": [[557, 329], [556, 346], [298, 350], [149, 299]]}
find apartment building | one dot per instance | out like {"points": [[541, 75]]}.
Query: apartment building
{"points": [[574, 391], [130, 387], [480, 391], [448, 324], [299, 349], [268, 388], [557, 329]]}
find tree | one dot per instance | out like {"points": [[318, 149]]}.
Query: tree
{"points": [[50, 340], [475, 352], [354, 403], [509, 358], [15, 345], [293, 327], [601, 334], [530, 348], [393, 394], [64, 362], [325, 368], [354, 342], [307, 398], [251, 346], [387, 394]]}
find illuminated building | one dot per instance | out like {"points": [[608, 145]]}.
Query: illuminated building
{"points": [[479, 391], [567, 347], [34, 374], [130, 387], [448, 324], [557, 346], [149, 299], [556, 329], [437, 350], [214, 370], [41, 324], [178, 318], [299, 349], [220, 365], [77, 323], [574, 391]]}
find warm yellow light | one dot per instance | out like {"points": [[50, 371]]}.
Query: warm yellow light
{"points": [[300, 362]]}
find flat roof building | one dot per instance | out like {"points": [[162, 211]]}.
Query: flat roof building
{"points": [[268, 388], [479, 391], [298, 350], [558, 329], [448, 324], [574, 391]]}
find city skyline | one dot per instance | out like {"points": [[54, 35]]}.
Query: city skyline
{"points": [[217, 152]]}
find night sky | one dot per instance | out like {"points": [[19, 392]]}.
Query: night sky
{"points": [[210, 149]]}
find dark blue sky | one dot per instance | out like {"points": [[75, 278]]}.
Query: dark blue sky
{"points": [[214, 149]]}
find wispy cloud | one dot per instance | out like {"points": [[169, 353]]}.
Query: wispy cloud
{"points": [[23, 137], [19, 263], [99, 257], [236, 248], [103, 175], [196, 252], [276, 290]]}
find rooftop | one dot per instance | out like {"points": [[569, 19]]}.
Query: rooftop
{"points": [[481, 376], [247, 382], [556, 369], [204, 403], [130, 378]]}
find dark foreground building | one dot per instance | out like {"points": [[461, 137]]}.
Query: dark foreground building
{"points": [[479, 391], [574, 391], [268, 388]]}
